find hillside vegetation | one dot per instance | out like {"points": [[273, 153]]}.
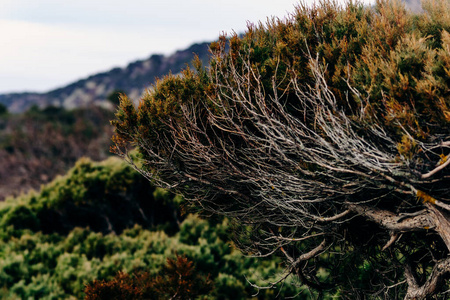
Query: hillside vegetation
{"points": [[318, 145], [40, 144]]}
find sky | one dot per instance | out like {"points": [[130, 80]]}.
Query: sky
{"points": [[46, 44]]}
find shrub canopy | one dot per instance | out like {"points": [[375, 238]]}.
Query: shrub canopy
{"points": [[325, 135]]}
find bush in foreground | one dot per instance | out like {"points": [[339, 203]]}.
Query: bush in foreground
{"points": [[57, 260]]}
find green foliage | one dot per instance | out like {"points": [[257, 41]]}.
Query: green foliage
{"points": [[21, 217], [106, 196], [44, 254], [45, 266]]}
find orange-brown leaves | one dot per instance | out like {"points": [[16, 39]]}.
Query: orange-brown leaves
{"points": [[444, 159], [177, 280], [425, 197], [389, 24]]}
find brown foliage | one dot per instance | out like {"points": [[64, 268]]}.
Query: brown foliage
{"points": [[177, 280], [38, 145]]}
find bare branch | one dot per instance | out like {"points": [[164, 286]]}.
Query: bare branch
{"points": [[392, 240], [441, 223], [294, 239], [393, 222], [313, 253], [437, 169]]}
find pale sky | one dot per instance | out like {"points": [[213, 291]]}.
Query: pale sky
{"points": [[45, 44]]}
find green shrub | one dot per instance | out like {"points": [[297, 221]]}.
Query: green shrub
{"points": [[44, 255], [107, 196], [21, 217]]}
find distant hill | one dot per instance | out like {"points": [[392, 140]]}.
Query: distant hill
{"points": [[133, 79], [46, 140]]}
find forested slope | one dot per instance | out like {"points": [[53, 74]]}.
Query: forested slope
{"points": [[40, 144]]}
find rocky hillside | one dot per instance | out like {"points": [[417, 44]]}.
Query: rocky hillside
{"points": [[133, 80]]}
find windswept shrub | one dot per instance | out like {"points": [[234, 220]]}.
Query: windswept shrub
{"points": [[324, 135]]}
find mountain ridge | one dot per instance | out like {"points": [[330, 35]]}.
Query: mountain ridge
{"points": [[133, 79]]}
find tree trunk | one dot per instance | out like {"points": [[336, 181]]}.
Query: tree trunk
{"points": [[441, 269], [442, 223]]}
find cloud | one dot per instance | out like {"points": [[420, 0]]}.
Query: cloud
{"points": [[109, 12]]}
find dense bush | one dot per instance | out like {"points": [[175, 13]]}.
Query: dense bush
{"points": [[53, 266], [45, 254]]}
